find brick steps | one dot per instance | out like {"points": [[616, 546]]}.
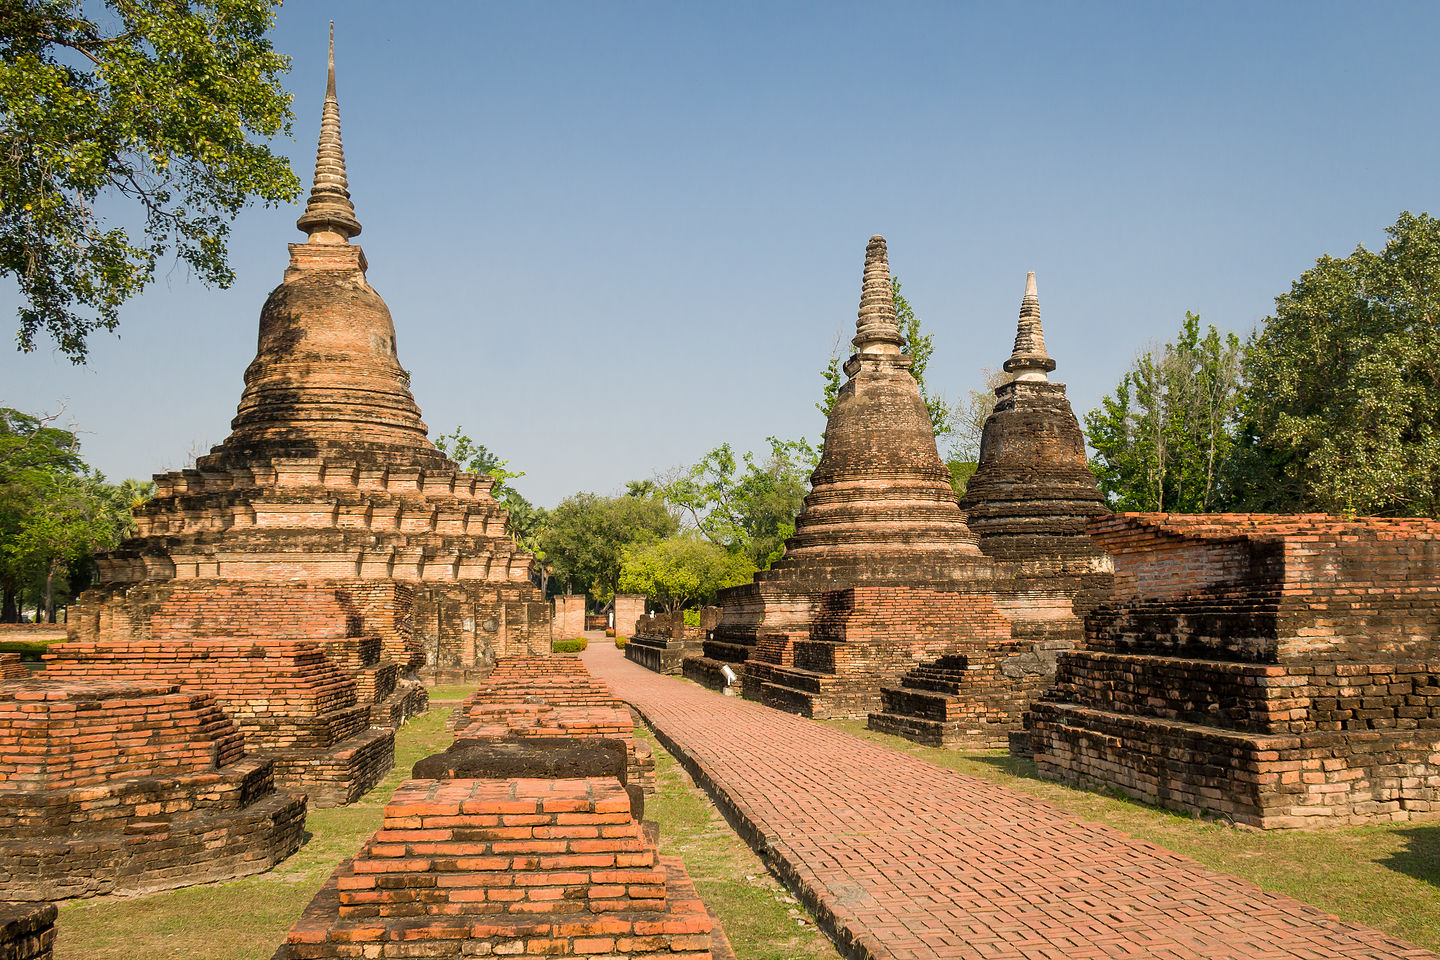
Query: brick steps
{"points": [[115, 787]]}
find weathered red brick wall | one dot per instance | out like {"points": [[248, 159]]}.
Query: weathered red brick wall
{"points": [[27, 931], [294, 703], [568, 619], [1278, 670], [629, 607], [108, 786]]}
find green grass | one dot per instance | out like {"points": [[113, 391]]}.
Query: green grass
{"points": [[569, 646], [1384, 876], [34, 647], [451, 691], [761, 918], [242, 919]]}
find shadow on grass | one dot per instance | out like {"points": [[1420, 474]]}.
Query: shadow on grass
{"points": [[1420, 857], [1005, 763]]}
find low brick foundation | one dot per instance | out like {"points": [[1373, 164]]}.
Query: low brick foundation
{"points": [[552, 697], [27, 931], [467, 868], [661, 642], [515, 843], [865, 638], [115, 787], [1279, 671]]}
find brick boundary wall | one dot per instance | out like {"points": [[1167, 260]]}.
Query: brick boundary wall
{"points": [[1276, 670]]}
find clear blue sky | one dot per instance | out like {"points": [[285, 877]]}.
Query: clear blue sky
{"points": [[615, 235]]}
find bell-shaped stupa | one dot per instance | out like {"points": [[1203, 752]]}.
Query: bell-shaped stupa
{"points": [[882, 571], [323, 554], [1033, 493]]}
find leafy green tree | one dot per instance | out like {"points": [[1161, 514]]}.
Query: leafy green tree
{"points": [[682, 571], [918, 344], [55, 512], [584, 537], [747, 505], [1342, 407], [1162, 438], [525, 517], [164, 106]]}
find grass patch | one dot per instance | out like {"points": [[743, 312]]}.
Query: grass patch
{"points": [[761, 918], [1383, 876], [451, 691], [242, 919], [569, 646]]}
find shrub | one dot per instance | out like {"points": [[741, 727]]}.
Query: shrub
{"points": [[619, 643], [692, 617], [568, 646], [610, 632]]}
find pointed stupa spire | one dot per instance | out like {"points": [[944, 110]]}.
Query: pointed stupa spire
{"points": [[876, 323], [329, 217], [1029, 361]]}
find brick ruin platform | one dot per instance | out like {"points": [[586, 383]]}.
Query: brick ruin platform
{"points": [[1280, 671], [661, 641], [514, 842], [286, 662], [1029, 502], [488, 867], [27, 931], [118, 787], [882, 572], [555, 696]]}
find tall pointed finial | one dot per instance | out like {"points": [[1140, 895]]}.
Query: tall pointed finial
{"points": [[329, 216], [876, 322], [1029, 361]]}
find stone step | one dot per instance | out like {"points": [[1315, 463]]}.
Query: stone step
{"points": [[930, 733], [920, 704], [727, 652]]}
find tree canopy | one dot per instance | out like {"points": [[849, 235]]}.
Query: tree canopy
{"points": [[747, 505], [682, 571], [162, 108], [1342, 404], [1162, 437], [584, 537], [55, 513]]}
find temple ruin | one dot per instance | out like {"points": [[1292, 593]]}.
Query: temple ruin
{"points": [[1274, 670], [662, 641], [882, 573], [525, 837], [307, 568], [120, 787], [1029, 502]]}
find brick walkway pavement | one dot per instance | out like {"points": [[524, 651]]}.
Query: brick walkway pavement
{"points": [[901, 859]]}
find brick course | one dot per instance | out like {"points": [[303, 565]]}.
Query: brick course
{"points": [[110, 786], [1279, 671], [27, 931]]}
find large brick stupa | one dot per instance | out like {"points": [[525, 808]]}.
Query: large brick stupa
{"points": [[1029, 502], [326, 534], [882, 572]]}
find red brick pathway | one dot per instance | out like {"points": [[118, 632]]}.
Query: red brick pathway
{"points": [[901, 859]]}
